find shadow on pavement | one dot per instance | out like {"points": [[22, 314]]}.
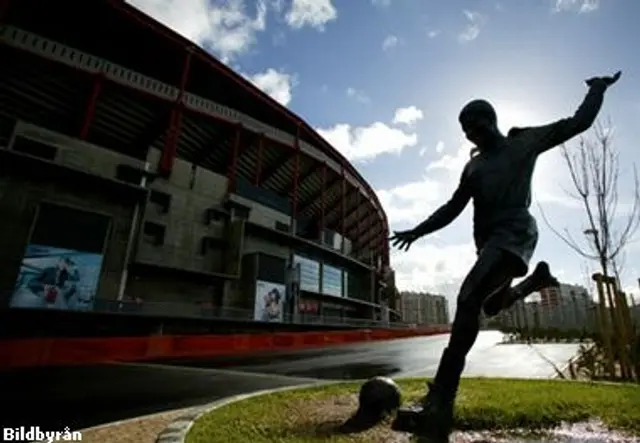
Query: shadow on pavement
{"points": [[80, 397]]}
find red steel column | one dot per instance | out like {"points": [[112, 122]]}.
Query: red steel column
{"points": [[359, 221], [91, 106], [259, 159], [4, 9], [385, 247], [343, 207], [296, 175], [175, 124], [232, 173], [322, 198]]}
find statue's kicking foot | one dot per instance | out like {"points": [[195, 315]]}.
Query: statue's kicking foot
{"points": [[431, 423], [540, 278]]}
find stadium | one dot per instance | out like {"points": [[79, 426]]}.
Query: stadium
{"points": [[142, 176]]}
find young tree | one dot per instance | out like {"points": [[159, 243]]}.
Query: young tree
{"points": [[594, 169]]}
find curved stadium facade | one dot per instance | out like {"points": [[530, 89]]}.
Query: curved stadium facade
{"points": [[159, 182]]}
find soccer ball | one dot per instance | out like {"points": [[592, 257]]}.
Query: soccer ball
{"points": [[379, 397]]}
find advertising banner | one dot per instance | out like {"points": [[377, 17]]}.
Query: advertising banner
{"points": [[269, 302], [57, 278], [62, 261]]}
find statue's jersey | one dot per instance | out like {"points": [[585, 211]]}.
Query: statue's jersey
{"points": [[499, 182]]}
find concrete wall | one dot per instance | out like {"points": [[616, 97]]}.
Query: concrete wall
{"points": [[263, 215], [192, 190], [77, 154], [172, 296]]}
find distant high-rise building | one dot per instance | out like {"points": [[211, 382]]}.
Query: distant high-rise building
{"points": [[550, 297], [422, 308], [565, 307]]}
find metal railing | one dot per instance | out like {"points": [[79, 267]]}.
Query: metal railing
{"points": [[196, 311]]}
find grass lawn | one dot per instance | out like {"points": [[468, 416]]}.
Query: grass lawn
{"points": [[311, 415]]}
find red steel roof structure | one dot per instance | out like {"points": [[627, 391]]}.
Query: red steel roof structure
{"points": [[119, 79]]}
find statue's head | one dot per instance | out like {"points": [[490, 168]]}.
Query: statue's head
{"points": [[479, 123]]}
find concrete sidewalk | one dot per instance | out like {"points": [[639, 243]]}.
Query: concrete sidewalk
{"points": [[139, 430]]}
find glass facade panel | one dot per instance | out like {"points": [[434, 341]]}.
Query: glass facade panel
{"points": [[345, 284], [332, 281], [309, 273]]}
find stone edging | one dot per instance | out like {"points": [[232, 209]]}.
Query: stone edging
{"points": [[177, 430]]}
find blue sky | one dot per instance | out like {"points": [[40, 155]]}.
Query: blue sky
{"points": [[384, 80]]}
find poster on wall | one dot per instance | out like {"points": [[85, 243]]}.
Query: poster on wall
{"points": [[269, 303], [57, 278], [61, 263]]}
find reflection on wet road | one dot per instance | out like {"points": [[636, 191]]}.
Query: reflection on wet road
{"points": [[407, 357], [86, 396]]}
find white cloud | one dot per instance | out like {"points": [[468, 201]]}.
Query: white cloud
{"points": [[381, 3], [359, 144], [411, 202], [475, 20], [357, 95], [440, 147], [432, 267], [452, 164], [367, 142], [582, 6], [390, 42], [407, 116], [276, 83], [313, 13], [433, 33], [429, 265], [228, 29]]}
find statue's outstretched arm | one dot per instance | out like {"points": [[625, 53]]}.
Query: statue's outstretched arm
{"points": [[449, 211], [546, 137]]}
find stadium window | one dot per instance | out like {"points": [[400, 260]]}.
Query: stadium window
{"points": [[153, 233], [209, 243], [282, 227], [34, 148], [309, 273], [129, 174], [161, 199], [69, 228], [242, 212], [332, 281], [271, 268], [214, 214]]}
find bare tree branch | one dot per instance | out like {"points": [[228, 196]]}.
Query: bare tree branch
{"points": [[594, 169]]}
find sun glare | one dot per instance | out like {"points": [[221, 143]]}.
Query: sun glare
{"points": [[511, 114]]}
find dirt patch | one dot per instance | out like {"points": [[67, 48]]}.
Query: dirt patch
{"points": [[321, 418]]}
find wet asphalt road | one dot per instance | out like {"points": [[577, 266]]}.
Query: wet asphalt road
{"points": [[80, 397], [402, 358]]}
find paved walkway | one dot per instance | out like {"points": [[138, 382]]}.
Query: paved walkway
{"points": [[142, 430]]}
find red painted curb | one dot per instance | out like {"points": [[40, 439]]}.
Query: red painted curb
{"points": [[78, 351]]}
